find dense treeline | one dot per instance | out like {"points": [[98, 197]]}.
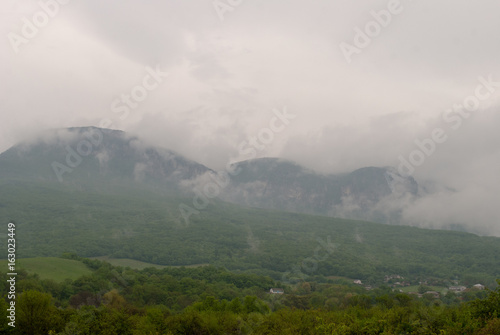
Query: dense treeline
{"points": [[210, 300]]}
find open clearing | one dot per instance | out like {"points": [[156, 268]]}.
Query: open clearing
{"points": [[57, 269]]}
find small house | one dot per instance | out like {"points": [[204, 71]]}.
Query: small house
{"points": [[276, 291]]}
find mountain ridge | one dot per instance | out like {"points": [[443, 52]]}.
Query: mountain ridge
{"points": [[97, 157]]}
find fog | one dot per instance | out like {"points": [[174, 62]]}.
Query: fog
{"points": [[206, 80]]}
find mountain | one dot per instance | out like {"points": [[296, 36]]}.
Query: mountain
{"points": [[91, 156], [94, 158], [284, 185]]}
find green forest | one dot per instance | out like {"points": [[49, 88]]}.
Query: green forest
{"points": [[144, 226], [212, 300]]}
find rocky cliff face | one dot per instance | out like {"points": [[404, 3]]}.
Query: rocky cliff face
{"points": [[278, 184]]}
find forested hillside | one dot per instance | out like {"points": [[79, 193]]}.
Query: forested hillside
{"points": [[135, 224]]}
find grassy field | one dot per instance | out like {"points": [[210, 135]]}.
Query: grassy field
{"points": [[57, 269], [138, 265]]}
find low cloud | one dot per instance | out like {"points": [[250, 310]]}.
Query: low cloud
{"points": [[458, 182], [227, 76]]}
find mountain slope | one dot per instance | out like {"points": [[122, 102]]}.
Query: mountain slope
{"points": [[146, 226]]}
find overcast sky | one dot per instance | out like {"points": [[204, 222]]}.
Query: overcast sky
{"points": [[233, 64]]}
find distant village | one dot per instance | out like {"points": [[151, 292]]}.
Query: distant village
{"points": [[397, 282]]}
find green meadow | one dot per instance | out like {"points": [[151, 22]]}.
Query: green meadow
{"points": [[57, 269]]}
